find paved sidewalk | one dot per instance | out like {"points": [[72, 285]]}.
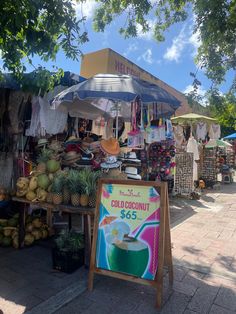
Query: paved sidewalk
{"points": [[204, 255]]}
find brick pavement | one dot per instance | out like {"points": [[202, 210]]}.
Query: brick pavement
{"points": [[204, 255]]}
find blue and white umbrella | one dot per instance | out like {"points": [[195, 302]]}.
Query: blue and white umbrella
{"points": [[97, 96]]}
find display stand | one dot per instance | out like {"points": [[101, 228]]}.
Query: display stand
{"points": [[142, 210], [68, 209]]}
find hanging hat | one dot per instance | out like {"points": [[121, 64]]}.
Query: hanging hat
{"points": [[42, 142], [130, 157], [110, 146], [55, 146], [110, 163], [72, 139], [132, 173]]}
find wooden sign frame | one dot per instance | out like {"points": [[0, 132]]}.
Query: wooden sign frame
{"points": [[164, 248]]}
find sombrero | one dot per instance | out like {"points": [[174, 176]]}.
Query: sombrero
{"points": [[110, 146]]}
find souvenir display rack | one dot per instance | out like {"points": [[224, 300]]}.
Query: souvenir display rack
{"points": [[184, 173]]}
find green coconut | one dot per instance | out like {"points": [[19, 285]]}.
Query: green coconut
{"points": [[12, 222], [30, 196], [37, 223], [53, 165], [6, 241], [29, 239], [15, 242], [37, 234], [3, 222], [43, 181]]}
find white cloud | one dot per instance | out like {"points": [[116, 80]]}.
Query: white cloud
{"points": [[186, 38], [131, 48], [149, 34], [86, 8], [147, 56], [173, 53]]}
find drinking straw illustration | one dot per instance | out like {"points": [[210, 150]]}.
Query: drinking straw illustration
{"points": [[145, 225]]}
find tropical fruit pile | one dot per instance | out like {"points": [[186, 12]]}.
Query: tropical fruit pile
{"points": [[48, 183], [36, 187], [9, 231], [35, 229]]}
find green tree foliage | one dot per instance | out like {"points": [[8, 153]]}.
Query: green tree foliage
{"points": [[223, 107], [38, 27], [214, 19]]}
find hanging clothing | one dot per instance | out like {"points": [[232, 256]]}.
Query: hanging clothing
{"points": [[178, 135], [99, 127], [169, 129], [201, 131], [214, 131], [127, 129], [192, 147]]}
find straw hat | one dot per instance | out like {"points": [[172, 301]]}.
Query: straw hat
{"points": [[42, 142], [130, 157], [132, 173], [70, 158], [72, 139], [55, 146], [110, 163], [114, 174], [110, 146]]}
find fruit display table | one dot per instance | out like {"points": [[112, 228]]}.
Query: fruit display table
{"points": [[68, 209]]}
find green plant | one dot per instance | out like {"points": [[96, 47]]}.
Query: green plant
{"points": [[70, 241]]}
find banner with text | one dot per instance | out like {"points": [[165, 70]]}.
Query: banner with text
{"points": [[128, 231]]}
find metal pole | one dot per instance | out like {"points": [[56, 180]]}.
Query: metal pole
{"points": [[117, 120]]}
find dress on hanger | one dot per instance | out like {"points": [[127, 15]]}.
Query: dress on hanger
{"points": [[201, 131], [192, 147], [214, 131], [178, 135]]}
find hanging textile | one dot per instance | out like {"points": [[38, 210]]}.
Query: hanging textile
{"points": [[192, 147], [169, 129], [201, 131], [135, 137], [178, 135], [214, 131]]}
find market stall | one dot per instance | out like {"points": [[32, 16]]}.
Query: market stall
{"points": [[124, 134], [194, 134]]}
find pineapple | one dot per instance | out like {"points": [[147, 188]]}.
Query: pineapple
{"points": [[73, 184], [93, 188], [85, 178], [44, 156], [66, 195], [56, 189]]}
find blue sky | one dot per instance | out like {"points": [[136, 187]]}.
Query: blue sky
{"points": [[171, 61]]}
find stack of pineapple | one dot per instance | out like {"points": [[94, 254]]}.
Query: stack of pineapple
{"points": [[75, 187]]}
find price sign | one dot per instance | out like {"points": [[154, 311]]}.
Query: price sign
{"points": [[131, 233], [129, 219]]}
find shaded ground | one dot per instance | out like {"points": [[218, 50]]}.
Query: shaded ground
{"points": [[204, 254]]}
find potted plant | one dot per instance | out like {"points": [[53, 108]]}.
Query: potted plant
{"points": [[68, 253]]}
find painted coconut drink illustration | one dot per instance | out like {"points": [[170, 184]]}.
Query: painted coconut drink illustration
{"points": [[125, 254], [128, 256]]}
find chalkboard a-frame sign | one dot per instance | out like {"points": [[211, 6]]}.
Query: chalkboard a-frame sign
{"points": [[131, 239]]}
